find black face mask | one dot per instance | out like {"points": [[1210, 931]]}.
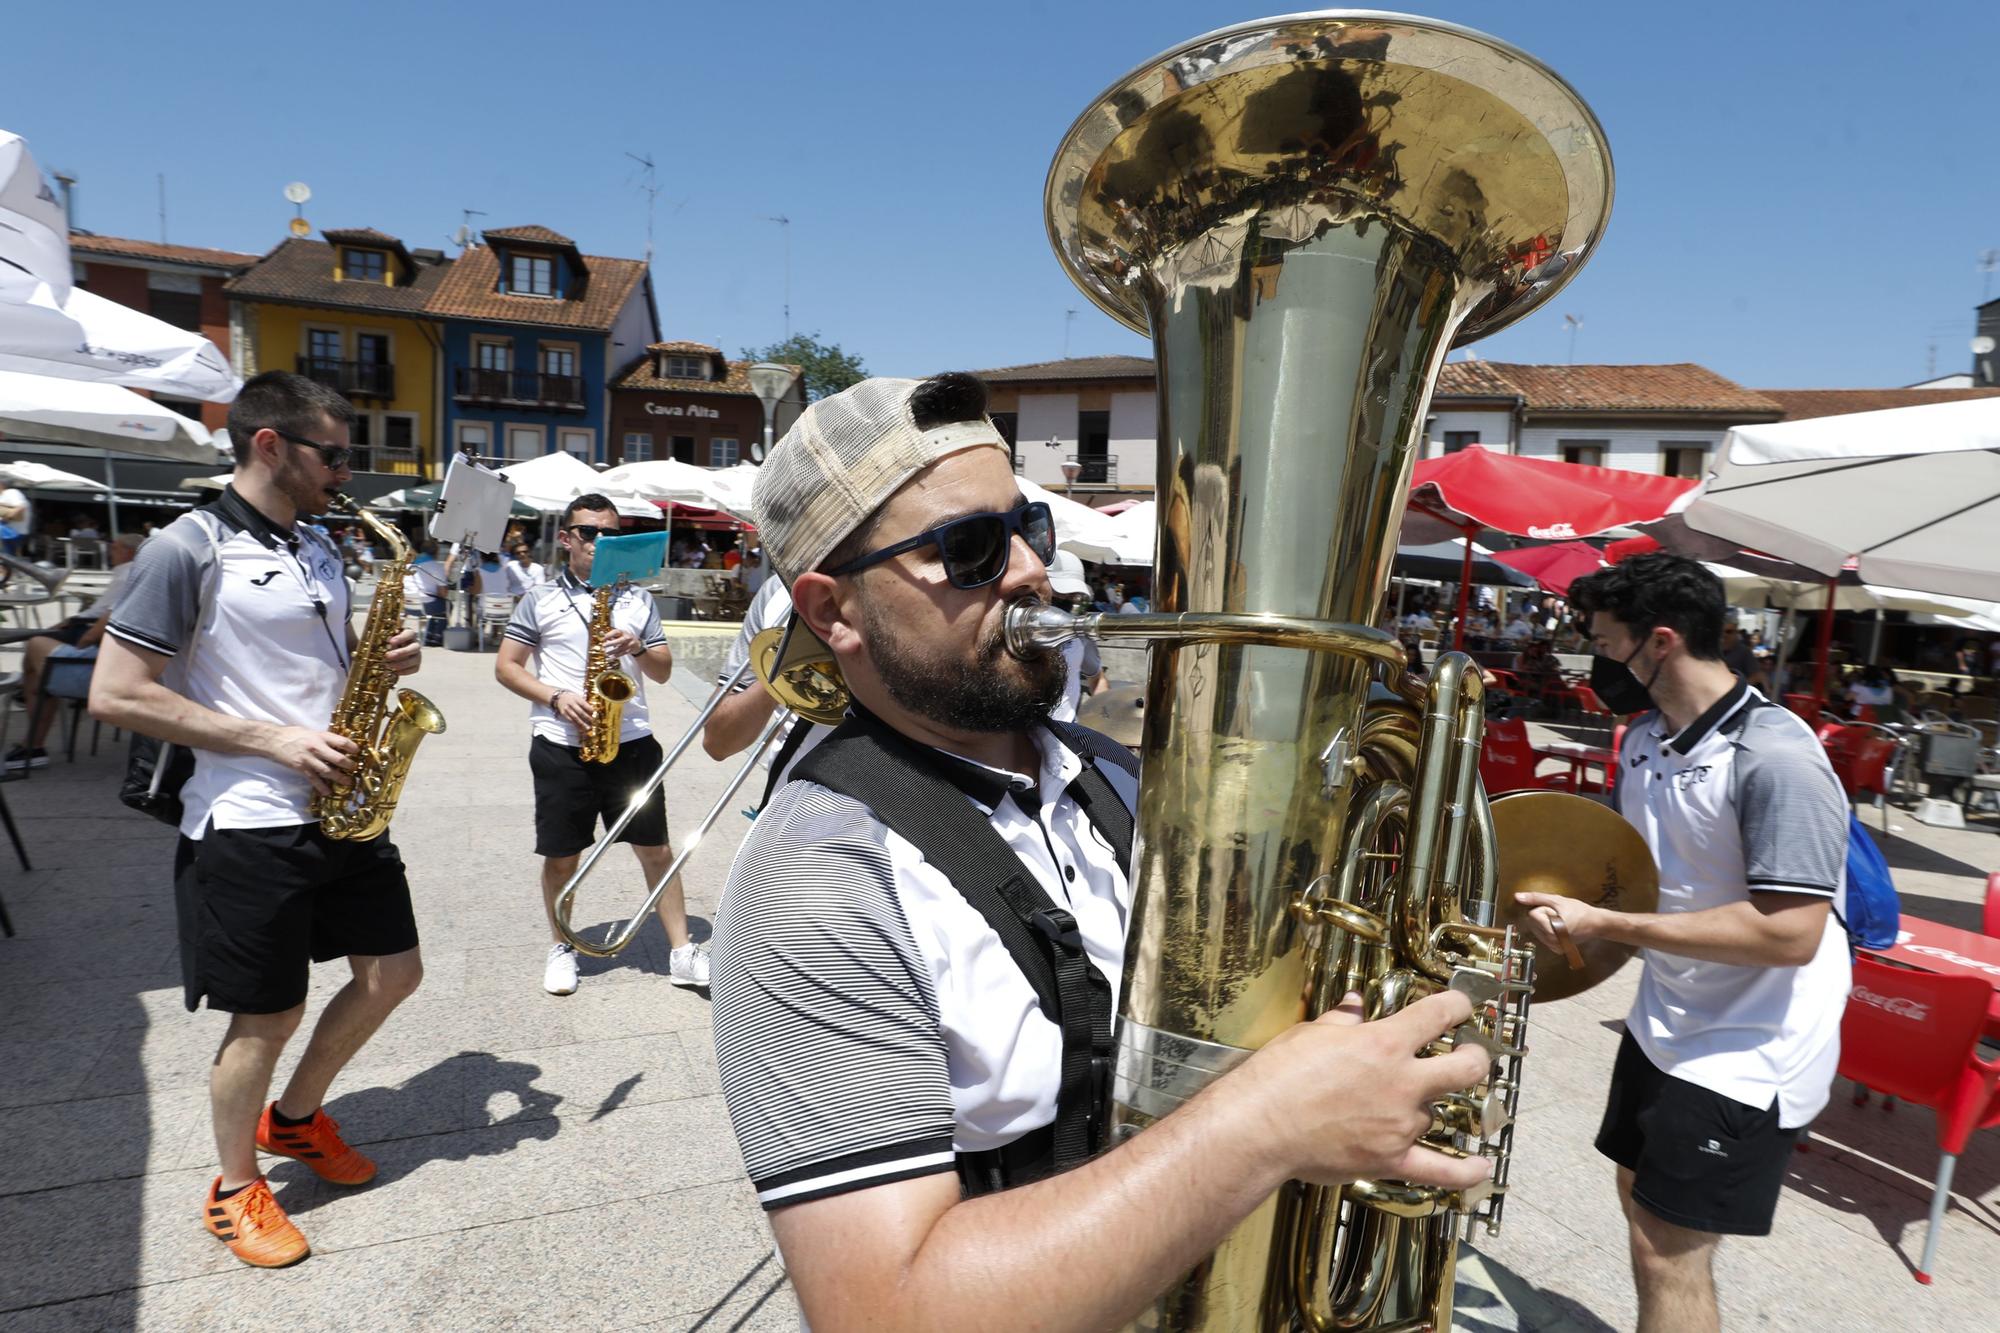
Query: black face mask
{"points": [[1618, 687]]}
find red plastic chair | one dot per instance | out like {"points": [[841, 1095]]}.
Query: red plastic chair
{"points": [[1860, 757], [1915, 1035], [1507, 761], [1611, 769], [1989, 923]]}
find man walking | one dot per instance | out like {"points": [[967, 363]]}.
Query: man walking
{"points": [[1734, 1035], [909, 1112], [542, 659], [232, 639]]}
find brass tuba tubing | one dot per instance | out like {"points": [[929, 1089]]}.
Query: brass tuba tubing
{"points": [[565, 897]]}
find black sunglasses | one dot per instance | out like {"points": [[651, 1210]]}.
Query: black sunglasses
{"points": [[590, 532], [975, 548], [335, 456]]}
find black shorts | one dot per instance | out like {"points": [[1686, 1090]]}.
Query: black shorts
{"points": [[571, 796], [70, 631], [1698, 1159], [258, 906]]}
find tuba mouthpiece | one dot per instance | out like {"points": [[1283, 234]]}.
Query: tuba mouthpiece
{"points": [[1036, 627]]}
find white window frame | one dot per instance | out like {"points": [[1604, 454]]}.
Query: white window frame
{"points": [[574, 352], [481, 341], [1668, 448], [306, 332], [567, 435], [541, 434], [383, 450], [679, 366], [484, 447], [638, 446], [720, 457], [1602, 448]]}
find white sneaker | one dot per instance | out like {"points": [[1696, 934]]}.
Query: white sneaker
{"points": [[688, 966], [559, 975]]}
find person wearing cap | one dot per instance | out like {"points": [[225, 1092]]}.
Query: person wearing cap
{"points": [[893, 1032], [1084, 672]]}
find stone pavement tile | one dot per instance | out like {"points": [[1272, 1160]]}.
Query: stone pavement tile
{"points": [[99, 1139], [43, 1009], [48, 1070], [88, 1315], [82, 960], [698, 1051], [368, 1289], [59, 912], [595, 1079], [525, 1168], [760, 1299], [604, 1012], [1493, 1298]]}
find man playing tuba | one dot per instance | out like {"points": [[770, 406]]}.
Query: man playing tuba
{"points": [[232, 639], [923, 1118]]}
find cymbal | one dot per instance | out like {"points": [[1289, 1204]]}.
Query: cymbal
{"points": [[1119, 713], [1553, 842]]}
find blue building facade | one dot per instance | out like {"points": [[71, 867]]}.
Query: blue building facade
{"points": [[532, 330]]}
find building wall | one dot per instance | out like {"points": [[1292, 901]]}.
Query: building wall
{"points": [[1495, 427], [526, 343], [1044, 415], [277, 339], [1636, 448], [663, 415]]}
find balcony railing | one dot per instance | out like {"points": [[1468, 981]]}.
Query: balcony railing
{"points": [[356, 379], [1093, 471], [518, 388]]}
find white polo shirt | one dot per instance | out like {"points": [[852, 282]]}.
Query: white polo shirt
{"points": [[255, 617], [553, 618], [1743, 801], [869, 1024]]}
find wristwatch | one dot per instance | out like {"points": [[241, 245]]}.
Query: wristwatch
{"points": [[553, 697]]}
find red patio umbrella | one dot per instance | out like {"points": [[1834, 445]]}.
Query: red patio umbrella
{"points": [[1464, 493], [1554, 567]]}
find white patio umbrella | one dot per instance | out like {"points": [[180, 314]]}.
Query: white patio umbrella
{"points": [[1127, 538], [1911, 494], [730, 490], [34, 237], [82, 336], [666, 479], [25, 473], [550, 482], [99, 416], [1074, 522]]}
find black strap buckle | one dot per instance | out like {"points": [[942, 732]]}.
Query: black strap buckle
{"points": [[1059, 926]]}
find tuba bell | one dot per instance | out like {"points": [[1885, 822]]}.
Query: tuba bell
{"points": [[1306, 214]]}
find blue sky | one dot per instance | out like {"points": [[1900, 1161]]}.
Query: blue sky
{"points": [[1804, 190]]}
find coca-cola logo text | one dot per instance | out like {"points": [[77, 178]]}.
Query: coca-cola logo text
{"points": [[1900, 1005]]}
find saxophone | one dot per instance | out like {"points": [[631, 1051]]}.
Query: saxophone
{"points": [[604, 685], [387, 731]]}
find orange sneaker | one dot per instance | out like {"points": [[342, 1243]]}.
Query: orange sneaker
{"points": [[253, 1226], [318, 1144]]}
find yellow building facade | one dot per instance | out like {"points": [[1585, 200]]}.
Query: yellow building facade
{"points": [[347, 311]]}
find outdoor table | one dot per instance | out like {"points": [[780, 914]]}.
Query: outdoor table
{"points": [[1579, 756], [1927, 946]]}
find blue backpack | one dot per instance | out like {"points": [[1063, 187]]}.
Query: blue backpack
{"points": [[1873, 912]]}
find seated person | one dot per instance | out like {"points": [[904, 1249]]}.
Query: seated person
{"points": [[1877, 688], [1539, 671], [76, 637]]}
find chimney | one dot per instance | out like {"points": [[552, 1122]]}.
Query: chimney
{"points": [[68, 184]]}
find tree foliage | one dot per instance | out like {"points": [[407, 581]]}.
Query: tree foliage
{"points": [[828, 369]]}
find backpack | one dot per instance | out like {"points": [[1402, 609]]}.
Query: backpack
{"points": [[1873, 911]]}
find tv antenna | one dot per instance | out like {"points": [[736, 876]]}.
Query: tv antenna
{"points": [[296, 195], [649, 185], [1989, 260], [785, 224], [1572, 323], [462, 238], [1069, 318]]}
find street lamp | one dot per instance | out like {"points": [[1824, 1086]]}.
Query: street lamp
{"points": [[770, 382], [1070, 469]]}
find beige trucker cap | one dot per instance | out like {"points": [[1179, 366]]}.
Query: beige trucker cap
{"points": [[844, 456]]}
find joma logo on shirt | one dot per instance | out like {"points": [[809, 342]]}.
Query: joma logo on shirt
{"points": [[1692, 777], [264, 578]]}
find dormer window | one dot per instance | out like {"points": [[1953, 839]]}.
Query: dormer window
{"points": [[531, 275], [357, 265], [685, 368]]}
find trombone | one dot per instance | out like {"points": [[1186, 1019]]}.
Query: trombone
{"points": [[800, 673]]}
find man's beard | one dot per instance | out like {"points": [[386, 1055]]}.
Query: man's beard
{"points": [[994, 692]]}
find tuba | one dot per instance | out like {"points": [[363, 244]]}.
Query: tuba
{"points": [[387, 730], [604, 685], [1306, 214]]}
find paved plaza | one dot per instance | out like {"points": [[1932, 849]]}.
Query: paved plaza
{"points": [[567, 1162]]}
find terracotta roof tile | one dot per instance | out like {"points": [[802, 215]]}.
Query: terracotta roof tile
{"points": [[360, 236], [85, 244], [300, 272], [640, 375], [1677, 387], [685, 348], [467, 292], [1804, 404], [1073, 368], [541, 235]]}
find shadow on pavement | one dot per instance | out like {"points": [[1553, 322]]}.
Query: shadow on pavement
{"points": [[1513, 1304], [1906, 854], [710, 1318], [470, 1078]]}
